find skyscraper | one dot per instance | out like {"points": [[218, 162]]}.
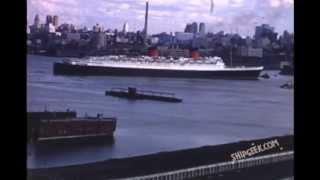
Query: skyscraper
{"points": [[265, 31], [56, 21], [145, 30], [36, 20], [188, 28], [49, 19], [194, 27], [125, 28], [202, 28]]}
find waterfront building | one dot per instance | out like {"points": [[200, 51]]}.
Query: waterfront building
{"points": [[264, 42], [182, 36], [72, 37], [50, 28], [250, 52], [85, 29], [99, 40], [121, 39], [286, 40], [173, 52], [42, 27], [65, 28], [72, 28], [199, 41], [248, 41], [265, 31], [164, 38], [97, 28], [226, 41], [154, 40]]}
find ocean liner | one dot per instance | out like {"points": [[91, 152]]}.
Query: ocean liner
{"points": [[205, 67]]}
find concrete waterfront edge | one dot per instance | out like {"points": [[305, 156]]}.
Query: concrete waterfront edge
{"points": [[160, 162], [217, 168]]}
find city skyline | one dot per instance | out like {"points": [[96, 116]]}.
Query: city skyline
{"points": [[238, 16]]}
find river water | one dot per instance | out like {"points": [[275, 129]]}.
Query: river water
{"points": [[212, 112]]}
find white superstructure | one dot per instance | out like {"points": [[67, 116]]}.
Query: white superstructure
{"points": [[146, 62]]}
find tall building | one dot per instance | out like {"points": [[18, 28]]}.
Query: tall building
{"points": [[56, 21], [97, 28], [145, 30], [36, 20], [202, 28], [99, 40], [188, 28], [265, 31], [125, 28], [194, 27], [49, 19]]}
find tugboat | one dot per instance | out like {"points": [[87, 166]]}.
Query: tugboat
{"points": [[52, 126], [133, 93]]}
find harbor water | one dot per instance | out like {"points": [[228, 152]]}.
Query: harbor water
{"points": [[212, 112]]}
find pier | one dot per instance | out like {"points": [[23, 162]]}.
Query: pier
{"points": [[208, 162]]}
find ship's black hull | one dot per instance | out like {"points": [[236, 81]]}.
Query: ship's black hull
{"points": [[68, 69]]}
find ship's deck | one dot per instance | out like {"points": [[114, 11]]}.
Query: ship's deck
{"points": [[82, 119], [160, 63], [168, 66]]}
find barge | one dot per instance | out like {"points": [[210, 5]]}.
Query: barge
{"points": [[134, 94], [207, 67], [52, 126]]}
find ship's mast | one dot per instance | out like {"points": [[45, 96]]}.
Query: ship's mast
{"points": [[145, 30]]}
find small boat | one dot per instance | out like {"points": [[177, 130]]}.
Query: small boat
{"points": [[288, 85], [133, 93], [265, 76]]}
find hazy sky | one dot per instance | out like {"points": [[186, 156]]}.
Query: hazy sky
{"points": [[168, 15]]}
